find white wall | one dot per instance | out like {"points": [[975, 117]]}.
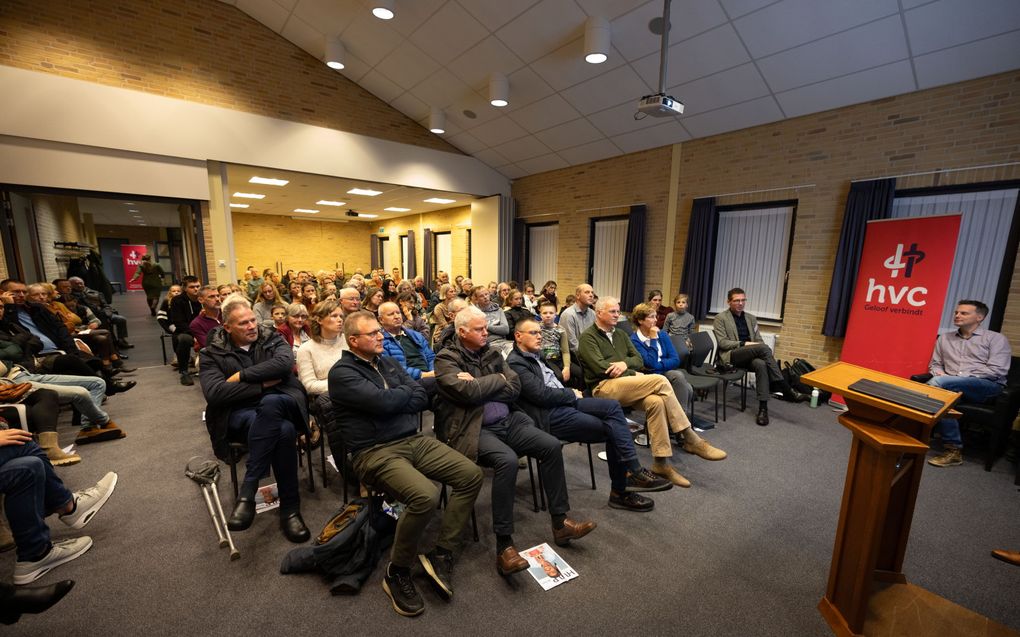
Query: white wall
{"points": [[485, 240]]}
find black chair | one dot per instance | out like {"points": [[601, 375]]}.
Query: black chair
{"points": [[237, 449], [163, 338], [697, 371], [994, 417], [625, 325], [698, 382], [702, 342]]}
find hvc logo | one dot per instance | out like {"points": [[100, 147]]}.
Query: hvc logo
{"points": [[897, 262]]}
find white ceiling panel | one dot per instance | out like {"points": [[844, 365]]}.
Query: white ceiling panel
{"points": [[411, 106], [544, 114], [305, 36], [664, 131], [495, 13], [737, 8], [950, 22], [522, 148], [566, 66], [408, 16], [485, 58], [883, 81], [526, 87], [593, 151], [864, 47], [544, 27], [267, 12], [286, 4], [579, 131], [491, 157], [466, 142], [688, 18], [512, 171], [753, 113], [619, 119], [541, 164], [607, 90], [722, 89], [406, 65], [369, 38], [380, 86], [449, 32], [441, 89], [984, 57], [327, 16], [610, 9], [472, 111], [499, 130], [699, 56], [354, 67], [792, 22]]}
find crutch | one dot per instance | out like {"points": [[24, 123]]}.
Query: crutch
{"points": [[206, 476]]}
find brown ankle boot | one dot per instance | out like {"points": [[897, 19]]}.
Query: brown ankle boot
{"points": [[48, 443]]}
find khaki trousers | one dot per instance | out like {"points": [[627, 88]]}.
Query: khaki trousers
{"points": [[653, 394]]}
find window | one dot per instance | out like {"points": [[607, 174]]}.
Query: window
{"points": [[403, 256], [542, 251], [444, 252], [752, 252], [606, 256], [385, 258], [987, 238]]}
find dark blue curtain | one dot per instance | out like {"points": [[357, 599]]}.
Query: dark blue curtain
{"points": [[373, 250], [412, 256], [632, 291], [867, 201], [429, 247], [699, 257], [518, 259]]}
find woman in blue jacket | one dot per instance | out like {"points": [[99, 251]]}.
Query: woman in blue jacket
{"points": [[659, 354]]}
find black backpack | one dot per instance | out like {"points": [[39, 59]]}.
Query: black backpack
{"points": [[792, 373]]}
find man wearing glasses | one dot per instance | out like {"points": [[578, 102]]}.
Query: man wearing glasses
{"points": [[376, 405], [612, 367]]}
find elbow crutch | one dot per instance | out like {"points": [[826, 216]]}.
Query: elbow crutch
{"points": [[206, 476]]}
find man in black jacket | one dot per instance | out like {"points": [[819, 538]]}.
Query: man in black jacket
{"points": [[477, 390], [183, 310], [251, 392], [567, 415], [376, 403]]}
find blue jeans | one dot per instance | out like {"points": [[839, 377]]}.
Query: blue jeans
{"points": [[975, 390], [599, 420], [32, 491], [271, 428], [85, 393]]}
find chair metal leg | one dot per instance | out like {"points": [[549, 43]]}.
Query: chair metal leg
{"points": [[162, 346], [233, 472], [322, 458], [591, 467], [474, 524], [311, 472], [725, 393], [717, 400], [534, 494]]}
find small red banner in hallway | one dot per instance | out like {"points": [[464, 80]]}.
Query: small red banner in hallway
{"points": [[900, 292], [132, 256]]}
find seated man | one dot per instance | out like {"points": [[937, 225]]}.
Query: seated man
{"points": [[350, 300], [579, 316], [32, 492], [247, 374], [112, 321], [183, 310], [376, 403], [567, 415], [611, 365], [740, 345], [970, 360], [498, 328], [408, 347], [209, 317], [476, 392]]}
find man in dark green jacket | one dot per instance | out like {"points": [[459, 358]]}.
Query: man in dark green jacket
{"points": [[612, 367]]}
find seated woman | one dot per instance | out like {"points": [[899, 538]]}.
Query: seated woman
{"points": [[412, 320], [309, 296], [266, 300], [548, 293], [316, 357], [407, 287], [389, 288], [295, 331], [515, 310], [661, 311], [441, 314], [373, 299], [163, 314], [99, 343], [530, 300]]}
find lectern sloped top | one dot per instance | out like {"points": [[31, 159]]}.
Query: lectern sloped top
{"points": [[837, 378]]}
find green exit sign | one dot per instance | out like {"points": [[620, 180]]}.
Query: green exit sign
{"points": [[382, 230]]}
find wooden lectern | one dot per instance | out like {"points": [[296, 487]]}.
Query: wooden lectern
{"points": [[889, 446]]}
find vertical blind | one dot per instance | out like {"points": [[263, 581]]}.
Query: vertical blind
{"points": [[543, 242], [751, 253], [444, 253], [981, 247], [384, 253], [403, 257], [610, 248]]}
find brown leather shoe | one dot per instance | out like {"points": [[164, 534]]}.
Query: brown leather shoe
{"points": [[572, 530], [510, 561], [670, 473], [1010, 557]]}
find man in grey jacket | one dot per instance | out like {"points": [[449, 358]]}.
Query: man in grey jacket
{"points": [[740, 345], [495, 319]]}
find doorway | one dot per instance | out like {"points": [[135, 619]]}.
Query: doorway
{"points": [[113, 265], [21, 242]]}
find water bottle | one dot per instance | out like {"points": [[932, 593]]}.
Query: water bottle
{"points": [[814, 397]]}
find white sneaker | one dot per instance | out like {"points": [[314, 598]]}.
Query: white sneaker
{"points": [[89, 501], [61, 553]]}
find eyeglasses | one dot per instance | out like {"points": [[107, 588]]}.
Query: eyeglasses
{"points": [[530, 332], [372, 334]]}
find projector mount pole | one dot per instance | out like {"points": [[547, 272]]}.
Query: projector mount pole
{"points": [[664, 47]]}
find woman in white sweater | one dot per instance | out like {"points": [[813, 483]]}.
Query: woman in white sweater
{"points": [[316, 357]]}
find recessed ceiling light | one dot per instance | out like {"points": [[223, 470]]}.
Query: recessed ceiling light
{"points": [[394, 209], [249, 195], [335, 51], [128, 203], [326, 202], [439, 200], [132, 209], [238, 205], [596, 40], [365, 215], [383, 9], [311, 212], [268, 181], [364, 191]]}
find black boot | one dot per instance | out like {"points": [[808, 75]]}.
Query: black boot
{"points": [[792, 395], [293, 527], [762, 420], [31, 599], [243, 514]]}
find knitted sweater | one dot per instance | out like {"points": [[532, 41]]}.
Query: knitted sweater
{"points": [[315, 359]]}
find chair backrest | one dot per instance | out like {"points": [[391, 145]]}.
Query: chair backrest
{"points": [[626, 326], [680, 345], [1013, 375], [701, 344]]}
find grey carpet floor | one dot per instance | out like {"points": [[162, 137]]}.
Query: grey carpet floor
{"points": [[744, 552]]}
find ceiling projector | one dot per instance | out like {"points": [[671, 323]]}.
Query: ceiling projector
{"points": [[660, 105]]}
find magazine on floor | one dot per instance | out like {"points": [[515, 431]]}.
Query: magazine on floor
{"points": [[267, 498], [547, 567]]}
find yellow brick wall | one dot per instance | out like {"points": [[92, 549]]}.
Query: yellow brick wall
{"points": [[56, 219], [457, 221], [968, 124], [263, 240], [196, 50]]}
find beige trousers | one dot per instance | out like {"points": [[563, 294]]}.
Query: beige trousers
{"points": [[653, 394]]}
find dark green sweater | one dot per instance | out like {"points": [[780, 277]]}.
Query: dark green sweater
{"points": [[597, 352]]}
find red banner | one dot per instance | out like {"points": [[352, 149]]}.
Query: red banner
{"points": [[132, 257], [900, 292]]}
